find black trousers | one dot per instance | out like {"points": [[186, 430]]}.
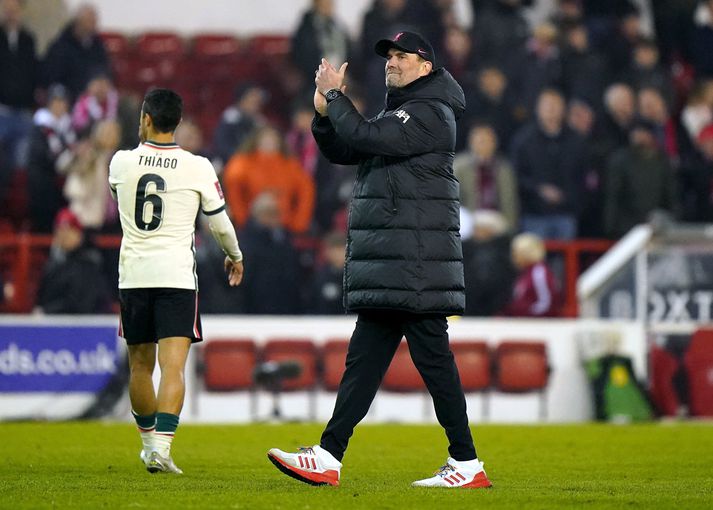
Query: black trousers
{"points": [[375, 339]]}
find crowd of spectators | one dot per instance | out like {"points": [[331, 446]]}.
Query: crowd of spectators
{"points": [[580, 125]]}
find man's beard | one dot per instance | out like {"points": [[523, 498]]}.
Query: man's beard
{"points": [[392, 81]]}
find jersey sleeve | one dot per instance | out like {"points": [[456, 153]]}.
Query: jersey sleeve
{"points": [[115, 173], [212, 198]]}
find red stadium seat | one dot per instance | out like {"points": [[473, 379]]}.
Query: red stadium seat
{"points": [[334, 354], [664, 366], [300, 350], [304, 352], [698, 361], [216, 46], [522, 366], [228, 364], [402, 375], [117, 45], [160, 45], [269, 46], [144, 74], [473, 362]]}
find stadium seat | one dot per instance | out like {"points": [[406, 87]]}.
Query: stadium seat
{"points": [[334, 354], [664, 366], [698, 362], [474, 363], [402, 375], [227, 365], [302, 351], [270, 46], [160, 45], [144, 74], [117, 45], [522, 366], [216, 46]]}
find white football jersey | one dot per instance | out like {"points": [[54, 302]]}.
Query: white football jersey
{"points": [[160, 188]]}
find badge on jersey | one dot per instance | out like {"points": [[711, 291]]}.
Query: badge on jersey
{"points": [[220, 190]]}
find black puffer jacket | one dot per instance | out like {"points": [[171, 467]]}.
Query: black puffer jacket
{"points": [[403, 248]]}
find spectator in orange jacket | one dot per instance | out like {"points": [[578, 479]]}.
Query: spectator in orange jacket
{"points": [[264, 165]]}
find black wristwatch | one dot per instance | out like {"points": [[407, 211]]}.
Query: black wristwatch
{"points": [[333, 94]]}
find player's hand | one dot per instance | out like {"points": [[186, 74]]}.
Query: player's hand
{"points": [[328, 77], [235, 272]]}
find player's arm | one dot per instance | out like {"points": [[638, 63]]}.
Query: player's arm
{"points": [[223, 232], [213, 206], [113, 175]]}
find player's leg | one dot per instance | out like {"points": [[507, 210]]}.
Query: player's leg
{"points": [[142, 359], [136, 326], [172, 356], [427, 336], [178, 325], [371, 350]]}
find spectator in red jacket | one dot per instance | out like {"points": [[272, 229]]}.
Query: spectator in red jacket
{"points": [[536, 292]]}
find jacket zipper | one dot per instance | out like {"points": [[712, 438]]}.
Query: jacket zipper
{"points": [[392, 193]]}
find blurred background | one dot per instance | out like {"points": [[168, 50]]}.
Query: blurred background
{"points": [[585, 154]]}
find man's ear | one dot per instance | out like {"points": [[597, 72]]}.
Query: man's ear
{"points": [[428, 67]]}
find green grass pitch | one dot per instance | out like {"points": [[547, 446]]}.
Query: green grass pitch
{"points": [[96, 465]]}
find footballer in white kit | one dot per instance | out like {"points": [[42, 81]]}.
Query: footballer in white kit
{"points": [[161, 189]]}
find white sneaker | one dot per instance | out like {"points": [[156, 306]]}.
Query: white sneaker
{"points": [[158, 464], [465, 474], [315, 465]]}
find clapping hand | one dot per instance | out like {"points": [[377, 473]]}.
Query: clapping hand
{"points": [[328, 78]]}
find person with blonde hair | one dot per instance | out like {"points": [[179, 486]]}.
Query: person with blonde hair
{"points": [[85, 188], [536, 292]]}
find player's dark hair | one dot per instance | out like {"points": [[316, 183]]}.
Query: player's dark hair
{"points": [[165, 108]]}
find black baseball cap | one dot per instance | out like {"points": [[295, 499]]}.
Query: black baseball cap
{"points": [[409, 42]]}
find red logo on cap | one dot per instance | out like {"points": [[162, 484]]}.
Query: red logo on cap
{"points": [[422, 52], [398, 36]]}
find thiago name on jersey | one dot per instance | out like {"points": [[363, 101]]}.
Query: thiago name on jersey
{"points": [[158, 161]]}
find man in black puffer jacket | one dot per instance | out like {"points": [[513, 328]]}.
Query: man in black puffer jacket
{"points": [[404, 262]]}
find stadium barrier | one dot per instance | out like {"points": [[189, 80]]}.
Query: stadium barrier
{"points": [[22, 253], [68, 390]]}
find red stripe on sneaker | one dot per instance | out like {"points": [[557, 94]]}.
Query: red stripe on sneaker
{"points": [[449, 481], [462, 478], [302, 464], [479, 482], [314, 464]]}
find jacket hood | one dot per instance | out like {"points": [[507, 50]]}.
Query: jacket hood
{"points": [[438, 85]]}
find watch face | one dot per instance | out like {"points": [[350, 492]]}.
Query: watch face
{"points": [[332, 94]]}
